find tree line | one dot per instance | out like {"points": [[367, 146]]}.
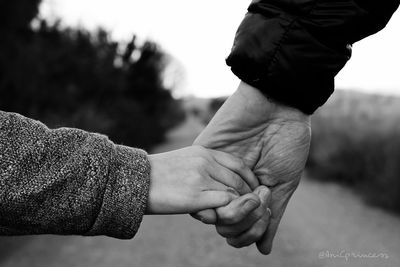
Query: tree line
{"points": [[77, 78]]}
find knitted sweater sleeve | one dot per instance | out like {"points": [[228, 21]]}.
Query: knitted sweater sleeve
{"points": [[68, 181]]}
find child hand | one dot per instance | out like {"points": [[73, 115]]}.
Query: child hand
{"points": [[195, 178]]}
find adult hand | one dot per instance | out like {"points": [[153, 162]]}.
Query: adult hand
{"points": [[196, 178], [273, 140], [243, 220]]}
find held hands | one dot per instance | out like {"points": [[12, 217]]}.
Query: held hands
{"points": [[241, 222], [273, 140], [195, 178]]}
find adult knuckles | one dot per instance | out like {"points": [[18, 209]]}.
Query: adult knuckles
{"points": [[225, 232], [233, 243], [255, 234], [229, 215], [259, 213]]}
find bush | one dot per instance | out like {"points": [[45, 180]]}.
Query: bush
{"points": [[72, 77], [356, 141]]}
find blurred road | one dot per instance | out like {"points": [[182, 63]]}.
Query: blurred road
{"points": [[320, 218]]}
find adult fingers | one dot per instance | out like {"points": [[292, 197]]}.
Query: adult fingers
{"points": [[234, 230], [250, 220], [238, 209], [236, 165], [208, 216], [257, 230], [280, 198], [246, 220], [251, 235]]}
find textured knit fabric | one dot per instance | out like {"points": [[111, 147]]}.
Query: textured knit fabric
{"points": [[291, 50], [67, 181]]}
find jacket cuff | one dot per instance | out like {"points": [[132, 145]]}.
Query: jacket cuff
{"points": [[292, 51], [126, 194]]}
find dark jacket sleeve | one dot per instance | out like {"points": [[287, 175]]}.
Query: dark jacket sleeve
{"points": [[68, 181], [292, 49]]}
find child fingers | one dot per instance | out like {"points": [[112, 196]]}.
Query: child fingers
{"points": [[230, 179], [213, 199], [236, 165]]}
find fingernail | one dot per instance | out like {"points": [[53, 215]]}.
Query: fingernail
{"points": [[264, 194]]}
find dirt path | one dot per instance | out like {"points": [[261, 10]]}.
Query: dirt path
{"points": [[320, 217]]}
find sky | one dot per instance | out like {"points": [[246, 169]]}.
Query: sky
{"points": [[199, 36]]}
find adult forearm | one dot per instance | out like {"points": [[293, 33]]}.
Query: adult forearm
{"points": [[263, 107]]}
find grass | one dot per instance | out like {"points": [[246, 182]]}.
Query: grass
{"points": [[356, 141]]}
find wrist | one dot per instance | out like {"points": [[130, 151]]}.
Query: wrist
{"points": [[157, 194], [260, 104]]}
